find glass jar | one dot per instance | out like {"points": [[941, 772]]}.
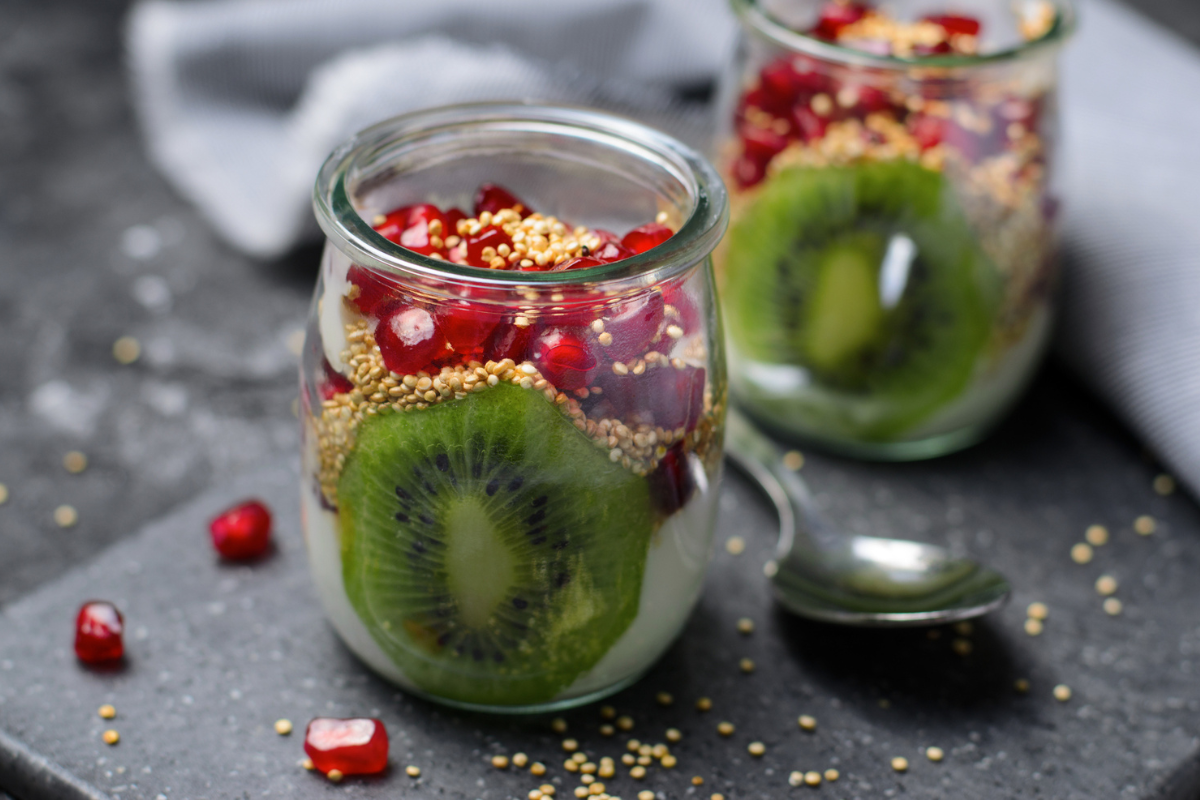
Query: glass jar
{"points": [[888, 275], [520, 518]]}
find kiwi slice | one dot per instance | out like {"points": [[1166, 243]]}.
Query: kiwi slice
{"points": [[869, 277], [491, 549]]}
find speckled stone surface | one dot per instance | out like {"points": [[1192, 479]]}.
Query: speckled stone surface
{"points": [[96, 247]]}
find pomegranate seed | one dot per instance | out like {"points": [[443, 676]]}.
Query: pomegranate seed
{"points": [[332, 382], [416, 235], [564, 358], [612, 251], [467, 325], [644, 237], [492, 237], [807, 124], [394, 224], [748, 171], [672, 483], [351, 746], [243, 531], [632, 325], [98, 629], [579, 262], [452, 217], [509, 340], [493, 198], [835, 16], [373, 289], [955, 23], [409, 337]]}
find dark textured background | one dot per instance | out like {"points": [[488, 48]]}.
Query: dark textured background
{"points": [[96, 246]]}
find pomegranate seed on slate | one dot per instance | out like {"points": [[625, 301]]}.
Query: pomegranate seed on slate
{"points": [[492, 237], [243, 531], [351, 746], [490, 197], [509, 340], [409, 338], [955, 23], [672, 482], [332, 382], [564, 358], [632, 325], [98, 631], [643, 237], [373, 289]]}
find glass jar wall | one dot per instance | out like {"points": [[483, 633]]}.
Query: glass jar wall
{"points": [[889, 270], [510, 474]]}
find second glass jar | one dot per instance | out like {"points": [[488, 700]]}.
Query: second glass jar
{"points": [[888, 274]]}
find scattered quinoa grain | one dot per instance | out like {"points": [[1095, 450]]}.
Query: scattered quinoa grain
{"points": [[1033, 627], [1037, 611], [535, 794], [75, 462], [607, 730], [812, 778], [1145, 525], [581, 791], [807, 723], [1021, 685], [625, 723], [1106, 584], [796, 778], [335, 775], [725, 729], [756, 749], [606, 770], [832, 775], [697, 780], [608, 712], [558, 725], [307, 764], [579, 758], [1164, 485], [735, 545], [65, 516], [629, 759], [547, 789], [964, 628], [520, 760], [674, 735], [633, 745], [934, 753], [704, 704], [1113, 606], [900, 764], [412, 771], [537, 768], [793, 460], [1096, 535], [107, 711], [664, 698], [111, 736], [596, 788], [588, 768], [668, 761], [3, 494], [126, 350], [645, 794], [570, 745], [745, 626], [1062, 693], [962, 647], [283, 726], [571, 766], [717, 796], [1081, 553], [638, 772], [587, 779], [746, 665], [500, 762]]}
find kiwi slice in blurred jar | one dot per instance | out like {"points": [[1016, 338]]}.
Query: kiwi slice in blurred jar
{"points": [[869, 279]]}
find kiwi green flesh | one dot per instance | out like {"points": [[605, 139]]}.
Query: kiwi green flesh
{"points": [[803, 288], [491, 549]]}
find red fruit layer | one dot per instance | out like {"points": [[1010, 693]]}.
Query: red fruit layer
{"points": [[492, 198], [492, 237], [351, 746], [409, 337], [242, 532], [562, 355], [665, 397], [99, 627], [633, 325], [374, 289], [956, 24]]}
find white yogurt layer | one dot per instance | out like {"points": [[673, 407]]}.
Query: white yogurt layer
{"points": [[675, 564], [332, 314]]}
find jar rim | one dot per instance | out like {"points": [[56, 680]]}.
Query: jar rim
{"points": [[756, 19], [695, 239]]}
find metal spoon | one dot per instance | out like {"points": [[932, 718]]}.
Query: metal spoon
{"points": [[823, 574]]}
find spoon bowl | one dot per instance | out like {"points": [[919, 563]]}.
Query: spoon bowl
{"points": [[823, 574]]}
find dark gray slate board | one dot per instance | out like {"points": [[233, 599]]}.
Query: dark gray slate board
{"points": [[218, 652]]}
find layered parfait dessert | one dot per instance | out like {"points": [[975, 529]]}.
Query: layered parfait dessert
{"points": [[510, 487], [888, 271]]}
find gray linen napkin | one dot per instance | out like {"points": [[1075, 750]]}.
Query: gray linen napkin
{"points": [[240, 101]]}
